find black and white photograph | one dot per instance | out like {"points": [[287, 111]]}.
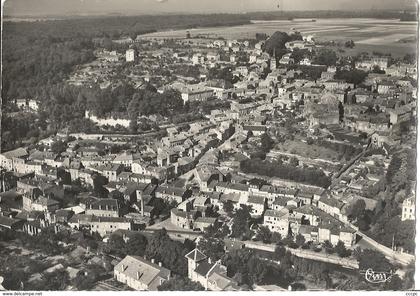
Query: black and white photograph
{"points": [[208, 145]]}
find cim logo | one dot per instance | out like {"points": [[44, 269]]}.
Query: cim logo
{"points": [[376, 277]]}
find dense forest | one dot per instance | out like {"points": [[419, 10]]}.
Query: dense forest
{"points": [[44, 52], [39, 56]]}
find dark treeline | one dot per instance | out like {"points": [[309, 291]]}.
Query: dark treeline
{"points": [[279, 14], [45, 52], [310, 176]]}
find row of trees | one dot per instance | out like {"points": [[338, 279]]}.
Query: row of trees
{"points": [[310, 176], [248, 268], [386, 226], [352, 76], [159, 247]]}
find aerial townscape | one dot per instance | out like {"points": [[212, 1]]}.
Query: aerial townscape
{"points": [[148, 159]]}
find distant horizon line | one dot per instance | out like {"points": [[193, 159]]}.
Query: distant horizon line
{"points": [[105, 14]]}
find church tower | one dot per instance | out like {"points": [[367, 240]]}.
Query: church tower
{"points": [[273, 61], [195, 257]]}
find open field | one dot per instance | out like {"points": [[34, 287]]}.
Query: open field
{"points": [[368, 34], [306, 150]]}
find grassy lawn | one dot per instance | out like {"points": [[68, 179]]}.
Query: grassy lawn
{"points": [[309, 151]]}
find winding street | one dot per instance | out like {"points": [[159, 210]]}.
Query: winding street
{"points": [[366, 241]]}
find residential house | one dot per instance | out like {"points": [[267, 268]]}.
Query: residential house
{"points": [[102, 225], [106, 207], [41, 204], [183, 219], [331, 206], [170, 193], [258, 205], [400, 114], [141, 274], [277, 221], [202, 223], [334, 231], [212, 276]]}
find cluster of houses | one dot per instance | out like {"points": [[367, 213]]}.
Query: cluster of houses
{"points": [[195, 168], [141, 274]]}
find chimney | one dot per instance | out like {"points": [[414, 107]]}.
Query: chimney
{"points": [[122, 267], [153, 260], [138, 275], [142, 205]]}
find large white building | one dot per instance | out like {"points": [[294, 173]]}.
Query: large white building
{"points": [[130, 55], [196, 93], [409, 209]]}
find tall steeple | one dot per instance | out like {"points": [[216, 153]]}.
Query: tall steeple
{"points": [[273, 61]]}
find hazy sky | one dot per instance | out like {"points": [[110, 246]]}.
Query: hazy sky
{"points": [[63, 7]]}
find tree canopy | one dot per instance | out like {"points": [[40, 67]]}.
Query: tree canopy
{"points": [[178, 283], [326, 57], [277, 42]]}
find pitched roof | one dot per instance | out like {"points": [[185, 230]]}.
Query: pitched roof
{"points": [[233, 197], [125, 157], [170, 190], [278, 214], [208, 220], [310, 210], [255, 199], [7, 222], [234, 186], [46, 201], [108, 204], [281, 201], [203, 268], [196, 255], [278, 190], [222, 282], [332, 202], [200, 201], [307, 229], [19, 152], [142, 270]]}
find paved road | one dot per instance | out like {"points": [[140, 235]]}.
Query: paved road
{"points": [[393, 256], [367, 242], [344, 262], [337, 178]]}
